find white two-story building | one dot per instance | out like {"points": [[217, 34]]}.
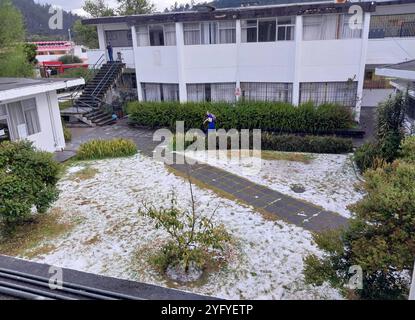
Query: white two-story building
{"points": [[321, 52]]}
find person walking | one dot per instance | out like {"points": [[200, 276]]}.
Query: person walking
{"points": [[110, 52], [211, 120]]}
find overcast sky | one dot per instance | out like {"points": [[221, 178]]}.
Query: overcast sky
{"points": [[76, 5]]}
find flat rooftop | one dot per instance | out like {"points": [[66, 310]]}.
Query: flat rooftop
{"points": [[16, 83], [281, 8], [11, 88]]}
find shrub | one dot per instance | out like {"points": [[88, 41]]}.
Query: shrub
{"points": [[99, 149], [67, 133], [27, 179], [408, 149], [268, 116], [291, 143], [194, 239], [68, 59], [389, 134], [313, 144], [380, 238], [365, 156]]}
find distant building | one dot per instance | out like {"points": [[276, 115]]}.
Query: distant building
{"points": [[294, 52], [29, 110], [53, 50]]}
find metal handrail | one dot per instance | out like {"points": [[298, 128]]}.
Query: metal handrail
{"points": [[105, 77]]}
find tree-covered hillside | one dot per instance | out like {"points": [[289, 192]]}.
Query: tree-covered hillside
{"points": [[36, 18]]}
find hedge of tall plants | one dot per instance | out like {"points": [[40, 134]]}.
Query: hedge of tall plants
{"points": [[268, 116]]}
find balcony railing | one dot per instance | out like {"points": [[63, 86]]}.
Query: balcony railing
{"points": [[377, 84]]}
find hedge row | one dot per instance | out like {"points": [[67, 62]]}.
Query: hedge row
{"points": [[292, 143], [268, 116]]}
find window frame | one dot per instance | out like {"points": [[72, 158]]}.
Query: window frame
{"points": [[147, 34], [217, 27], [292, 25], [119, 30]]}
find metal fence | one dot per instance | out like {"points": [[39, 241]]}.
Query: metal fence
{"points": [[266, 91], [343, 93], [398, 25]]}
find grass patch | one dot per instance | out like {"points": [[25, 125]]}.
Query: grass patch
{"points": [[65, 105], [26, 236], [273, 155], [101, 149], [84, 174]]}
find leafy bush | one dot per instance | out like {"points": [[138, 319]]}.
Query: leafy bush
{"points": [[79, 72], [68, 59], [67, 133], [194, 238], [365, 156], [292, 143], [313, 144], [408, 149], [389, 134], [380, 238], [99, 149], [268, 116], [27, 179]]}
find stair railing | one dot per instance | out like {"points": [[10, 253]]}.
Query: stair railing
{"points": [[91, 73], [104, 81]]}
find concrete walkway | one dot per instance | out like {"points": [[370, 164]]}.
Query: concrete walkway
{"points": [[265, 200]]}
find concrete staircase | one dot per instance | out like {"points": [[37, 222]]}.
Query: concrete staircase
{"points": [[89, 107]]}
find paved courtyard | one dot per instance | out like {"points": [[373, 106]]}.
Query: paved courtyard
{"points": [[266, 200]]}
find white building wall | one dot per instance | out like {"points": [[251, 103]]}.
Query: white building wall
{"points": [[50, 137], [330, 60]]}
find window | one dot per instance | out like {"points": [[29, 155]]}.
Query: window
{"points": [[285, 28], [266, 91], [249, 30], [31, 116], [328, 27], [156, 35], [170, 34], [199, 92], [343, 93], [142, 36], [119, 38], [227, 32], [160, 91], [191, 33], [267, 30], [24, 118], [398, 25], [209, 32]]}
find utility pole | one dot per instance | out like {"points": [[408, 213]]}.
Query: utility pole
{"points": [[69, 32], [412, 290]]}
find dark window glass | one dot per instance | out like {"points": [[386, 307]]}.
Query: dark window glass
{"points": [[266, 31], [156, 36]]}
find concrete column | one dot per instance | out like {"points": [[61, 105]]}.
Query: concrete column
{"points": [[137, 64], [361, 74], [101, 37], [298, 38], [237, 59], [180, 59]]}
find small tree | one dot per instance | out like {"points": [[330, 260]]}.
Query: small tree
{"points": [[380, 238], [68, 59], [389, 134], [193, 237], [28, 180]]}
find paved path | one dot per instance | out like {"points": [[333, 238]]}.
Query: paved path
{"points": [[266, 200]]}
